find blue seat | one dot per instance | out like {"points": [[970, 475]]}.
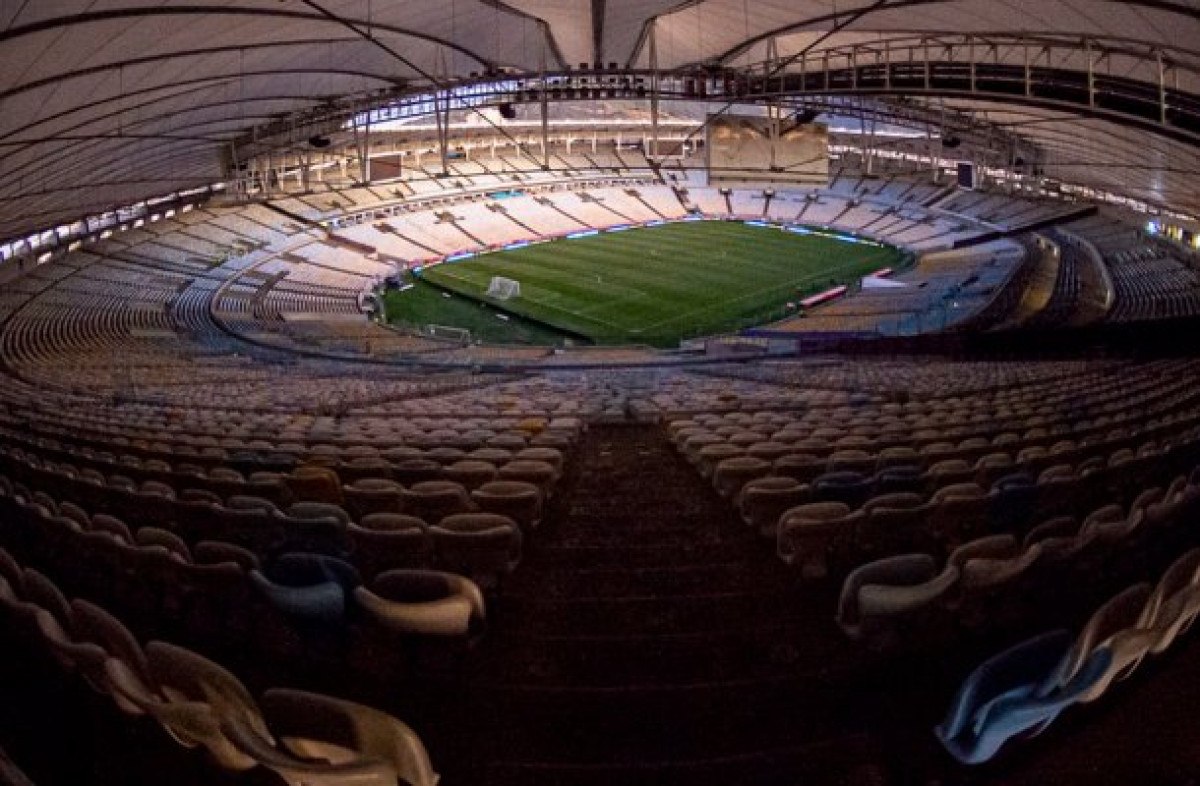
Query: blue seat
{"points": [[308, 587], [1015, 693], [852, 488]]}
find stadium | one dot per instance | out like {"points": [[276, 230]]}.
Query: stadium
{"points": [[573, 392]]}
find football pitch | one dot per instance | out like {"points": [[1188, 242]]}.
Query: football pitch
{"points": [[658, 285]]}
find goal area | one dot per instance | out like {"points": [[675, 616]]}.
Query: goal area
{"points": [[502, 288]]}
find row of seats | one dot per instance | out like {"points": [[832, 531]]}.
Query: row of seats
{"points": [[304, 738], [420, 526], [993, 577], [216, 586], [830, 536], [1021, 691]]}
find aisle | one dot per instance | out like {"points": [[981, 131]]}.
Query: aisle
{"points": [[649, 637]]}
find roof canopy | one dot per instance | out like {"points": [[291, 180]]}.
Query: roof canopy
{"points": [[104, 102]]}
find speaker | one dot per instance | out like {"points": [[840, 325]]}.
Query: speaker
{"points": [[950, 141], [508, 112], [319, 142]]}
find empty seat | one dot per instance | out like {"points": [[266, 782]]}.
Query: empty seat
{"points": [[423, 603], [213, 552], [482, 546], [432, 500], [764, 500], [1010, 694], [1176, 600], [893, 597], [892, 523], [470, 473], [733, 473], [308, 587], [809, 535], [373, 495], [385, 541], [317, 727], [539, 473], [520, 501], [315, 484], [1123, 627]]}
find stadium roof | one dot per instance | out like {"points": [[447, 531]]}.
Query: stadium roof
{"points": [[105, 102]]}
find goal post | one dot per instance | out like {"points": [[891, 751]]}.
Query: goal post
{"points": [[502, 288], [449, 333]]}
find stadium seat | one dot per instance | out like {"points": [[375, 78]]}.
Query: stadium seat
{"points": [[481, 546], [1007, 696], [520, 501], [810, 534], [423, 603]]}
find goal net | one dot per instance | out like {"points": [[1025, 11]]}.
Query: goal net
{"points": [[461, 335], [503, 288]]}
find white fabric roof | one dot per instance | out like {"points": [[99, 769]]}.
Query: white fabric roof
{"points": [[103, 102]]}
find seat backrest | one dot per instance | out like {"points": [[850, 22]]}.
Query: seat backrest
{"points": [[213, 552], [1123, 611], [901, 569], [364, 730], [990, 547], [185, 673], [39, 589], [89, 622]]}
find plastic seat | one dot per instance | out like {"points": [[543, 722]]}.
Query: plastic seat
{"points": [[894, 596], [551, 456], [539, 473], [91, 623], [1123, 627], [308, 587], [153, 536], [764, 500], [423, 603], [711, 456], [316, 727], [959, 513], [1176, 601], [386, 541], [892, 524], [315, 526], [412, 471], [733, 473], [214, 552], [809, 535], [433, 500], [470, 473], [851, 488], [226, 720], [803, 467], [482, 546], [900, 479], [1006, 696], [315, 484], [373, 495], [520, 501]]}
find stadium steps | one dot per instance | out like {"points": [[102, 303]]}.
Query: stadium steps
{"points": [[519, 223], [649, 637], [467, 234], [545, 201], [646, 204], [940, 196], [391, 230], [604, 204]]}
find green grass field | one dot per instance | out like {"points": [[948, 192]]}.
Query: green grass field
{"points": [[658, 285]]}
